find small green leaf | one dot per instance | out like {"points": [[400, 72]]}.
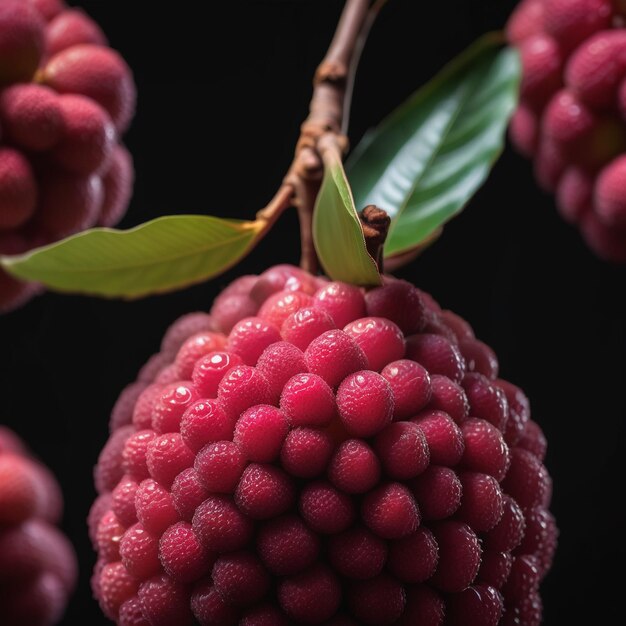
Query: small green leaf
{"points": [[162, 255], [427, 159], [337, 231]]}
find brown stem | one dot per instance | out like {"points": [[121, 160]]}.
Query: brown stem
{"points": [[326, 124], [281, 201], [326, 111], [307, 191], [375, 223]]}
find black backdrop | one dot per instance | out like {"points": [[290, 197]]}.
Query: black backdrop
{"points": [[220, 101]]}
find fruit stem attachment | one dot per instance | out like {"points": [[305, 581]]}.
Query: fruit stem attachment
{"points": [[326, 124], [375, 223]]}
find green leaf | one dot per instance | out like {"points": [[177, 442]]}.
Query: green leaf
{"points": [[427, 159], [337, 232], [162, 255]]}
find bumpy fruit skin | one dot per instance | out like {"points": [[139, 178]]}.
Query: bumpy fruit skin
{"points": [[291, 484], [65, 100], [572, 114], [38, 566]]}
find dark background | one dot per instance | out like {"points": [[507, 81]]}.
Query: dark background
{"points": [[220, 102]]}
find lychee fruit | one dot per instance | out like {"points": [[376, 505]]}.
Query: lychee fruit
{"points": [[355, 460], [65, 100], [38, 566], [572, 113]]}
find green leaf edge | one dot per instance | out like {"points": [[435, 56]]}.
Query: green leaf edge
{"points": [[370, 276], [477, 48], [18, 265]]}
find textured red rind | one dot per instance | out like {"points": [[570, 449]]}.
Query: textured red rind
{"points": [[66, 98], [38, 567], [284, 483], [571, 118]]}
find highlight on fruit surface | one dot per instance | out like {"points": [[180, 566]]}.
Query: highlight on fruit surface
{"points": [[38, 566], [572, 114], [65, 100], [316, 452]]}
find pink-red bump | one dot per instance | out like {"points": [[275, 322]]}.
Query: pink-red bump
{"points": [[307, 400], [287, 545], [240, 578], [410, 385], [357, 553], [486, 400], [305, 325], [333, 356], [481, 504], [390, 511], [354, 468], [221, 526], [437, 354], [444, 437], [310, 597], [250, 337], [306, 452], [400, 302], [325, 509], [209, 371], [188, 493], [139, 552], [168, 410], [209, 607], [344, 303], [437, 492], [242, 387], [278, 363], [403, 450], [260, 432], [165, 602], [380, 339], [449, 397], [194, 348], [183, 557], [264, 491], [459, 556], [365, 403], [167, 456], [413, 559], [206, 422], [485, 450], [155, 508], [219, 466]]}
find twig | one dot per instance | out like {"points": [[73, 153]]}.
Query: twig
{"points": [[325, 126]]}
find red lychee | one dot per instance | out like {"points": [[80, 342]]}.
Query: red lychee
{"points": [[571, 117], [38, 567], [65, 100], [300, 473]]}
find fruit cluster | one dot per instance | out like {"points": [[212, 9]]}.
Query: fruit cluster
{"points": [[37, 563], [65, 99], [311, 453], [572, 115]]}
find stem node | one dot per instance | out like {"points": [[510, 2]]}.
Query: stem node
{"points": [[375, 223], [325, 127]]}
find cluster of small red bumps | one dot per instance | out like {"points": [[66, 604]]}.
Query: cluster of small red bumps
{"points": [[65, 100], [572, 114], [37, 562], [313, 453]]}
